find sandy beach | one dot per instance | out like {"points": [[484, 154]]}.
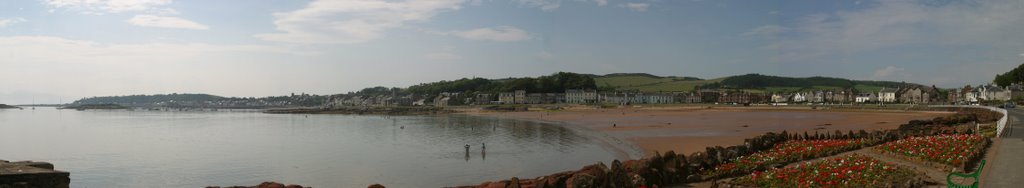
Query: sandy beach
{"points": [[691, 129]]}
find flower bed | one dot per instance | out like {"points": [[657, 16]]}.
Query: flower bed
{"points": [[786, 152], [951, 149], [845, 171]]}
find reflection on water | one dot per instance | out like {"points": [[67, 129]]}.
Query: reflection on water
{"points": [[195, 149]]}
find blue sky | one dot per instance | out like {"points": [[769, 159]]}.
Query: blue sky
{"points": [[67, 49]]}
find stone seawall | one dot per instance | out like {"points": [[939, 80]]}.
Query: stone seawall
{"points": [[26, 174]]}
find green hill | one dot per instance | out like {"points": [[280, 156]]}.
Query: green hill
{"points": [[650, 83], [145, 99]]}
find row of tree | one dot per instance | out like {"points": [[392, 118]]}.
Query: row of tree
{"points": [[554, 83], [1013, 76], [758, 81]]}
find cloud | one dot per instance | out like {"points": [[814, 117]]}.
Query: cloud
{"points": [[552, 5], [545, 56], [639, 7], [352, 21], [444, 56], [890, 72], [768, 31], [79, 68], [108, 6], [546, 5], [500, 34], [894, 24], [165, 22], [11, 21], [41, 49]]}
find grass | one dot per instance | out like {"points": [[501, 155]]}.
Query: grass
{"points": [[651, 84], [867, 88]]}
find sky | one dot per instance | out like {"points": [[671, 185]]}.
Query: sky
{"points": [[62, 50]]}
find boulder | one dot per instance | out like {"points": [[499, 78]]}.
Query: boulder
{"points": [[270, 185], [618, 176], [513, 183], [500, 184], [582, 180], [557, 180]]}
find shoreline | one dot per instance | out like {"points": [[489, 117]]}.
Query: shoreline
{"points": [[624, 150], [660, 129], [362, 110]]}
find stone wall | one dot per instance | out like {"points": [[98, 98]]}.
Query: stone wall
{"points": [[28, 174]]}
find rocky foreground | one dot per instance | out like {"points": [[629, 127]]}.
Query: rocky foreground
{"points": [[279, 185], [264, 185]]}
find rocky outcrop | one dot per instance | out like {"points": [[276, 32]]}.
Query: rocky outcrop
{"points": [[264, 185], [31, 174]]}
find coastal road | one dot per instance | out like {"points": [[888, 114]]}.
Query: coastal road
{"points": [[1007, 167]]}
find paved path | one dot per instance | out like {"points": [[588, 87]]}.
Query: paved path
{"points": [[1007, 167]]}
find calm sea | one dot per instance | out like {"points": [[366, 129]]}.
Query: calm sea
{"points": [[121, 148]]}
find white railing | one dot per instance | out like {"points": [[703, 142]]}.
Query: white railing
{"points": [[999, 124]]}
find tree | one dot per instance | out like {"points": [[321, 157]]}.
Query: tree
{"points": [[1013, 76]]}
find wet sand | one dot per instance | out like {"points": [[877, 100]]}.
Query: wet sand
{"points": [[690, 129]]}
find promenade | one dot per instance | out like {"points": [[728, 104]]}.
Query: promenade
{"points": [[1007, 167]]}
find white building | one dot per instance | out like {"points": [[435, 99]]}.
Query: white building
{"points": [[993, 93], [865, 98], [520, 97], [780, 98], [971, 96], [799, 97], [658, 98], [579, 96], [887, 95], [507, 98]]}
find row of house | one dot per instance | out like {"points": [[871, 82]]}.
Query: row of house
{"points": [[580, 96], [907, 95], [971, 95]]}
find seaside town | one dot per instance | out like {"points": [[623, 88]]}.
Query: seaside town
{"points": [[511, 93], [967, 95]]}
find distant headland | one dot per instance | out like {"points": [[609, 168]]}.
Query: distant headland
{"points": [[5, 106]]}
